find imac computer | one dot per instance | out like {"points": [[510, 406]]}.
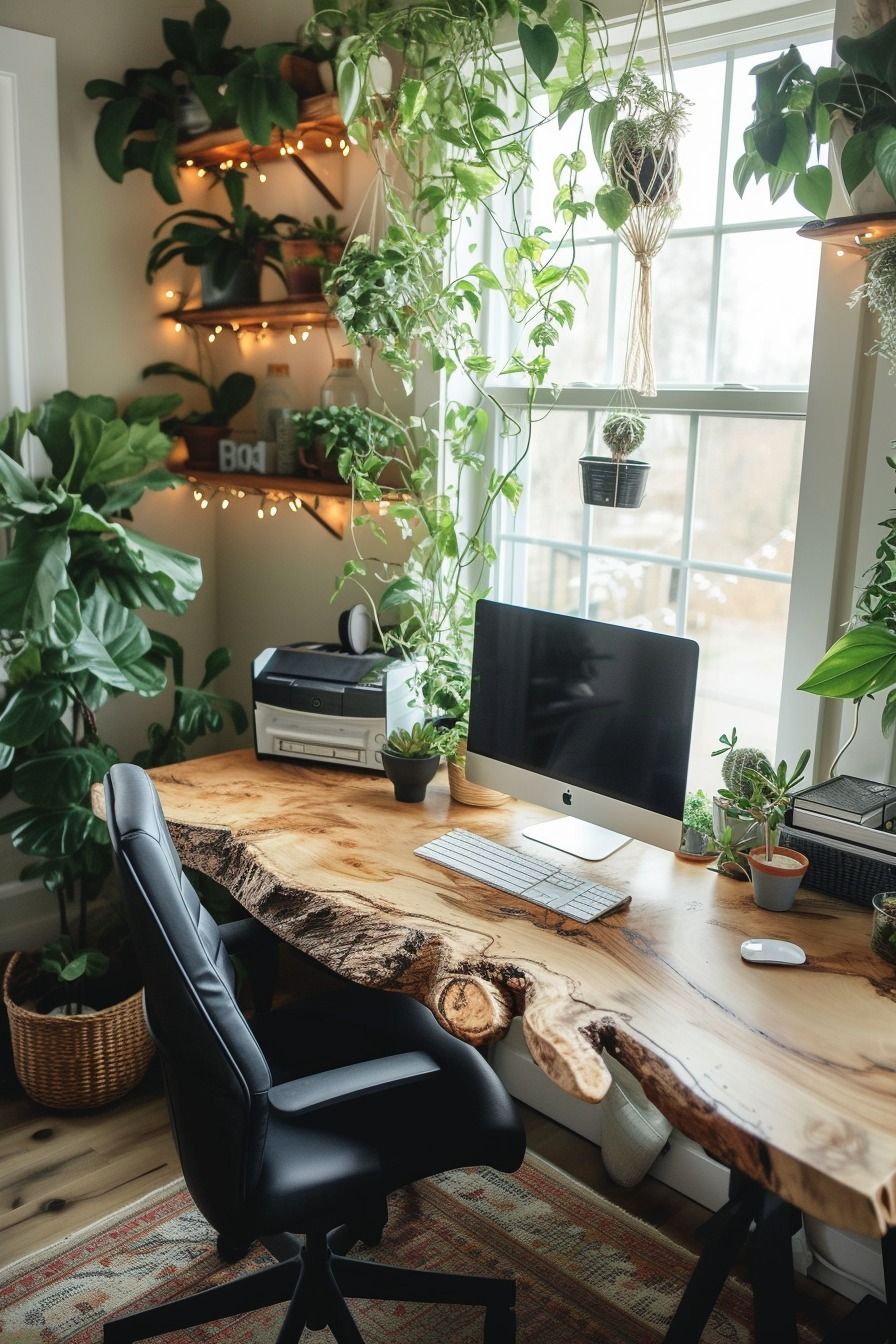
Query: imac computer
{"points": [[589, 719]]}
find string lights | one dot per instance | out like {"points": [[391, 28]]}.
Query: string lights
{"points": [[266, 498]]}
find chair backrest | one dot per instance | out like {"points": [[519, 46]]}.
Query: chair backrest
{"points": [[216, 1075]]}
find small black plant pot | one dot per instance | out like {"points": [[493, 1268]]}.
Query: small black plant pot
{"points": [[614, 485], [410, 775], [241, 290]]}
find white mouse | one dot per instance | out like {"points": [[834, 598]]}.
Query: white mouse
{"points": [[772, 952]]}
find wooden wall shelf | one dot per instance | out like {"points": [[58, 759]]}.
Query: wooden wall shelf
{"points": [[853, 233], [327, 502], [319, 123], [280, 315]]}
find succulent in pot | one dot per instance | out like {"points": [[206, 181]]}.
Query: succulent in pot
{"points": [[623, 432], [230, 253], [309, 252], [735, 767], [410, 759], [620, 481], [201, 430]]}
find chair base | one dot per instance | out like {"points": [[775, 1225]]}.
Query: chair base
{"points": [[316, 1283]]}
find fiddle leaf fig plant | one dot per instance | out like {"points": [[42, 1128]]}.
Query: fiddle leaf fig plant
{"points": [[862, 662], [72, 582]]}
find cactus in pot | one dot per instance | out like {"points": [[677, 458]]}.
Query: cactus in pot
{"points": [[736, 768], [623, 432]]}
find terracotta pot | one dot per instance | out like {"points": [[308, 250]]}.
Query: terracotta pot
{"points": [[202, 444], [303, 260], [775, 888]]}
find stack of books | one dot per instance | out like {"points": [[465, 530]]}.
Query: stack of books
{"points": [[847, 829]]}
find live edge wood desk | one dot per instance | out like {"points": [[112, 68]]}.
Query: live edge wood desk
{"points": [[787, 1074]]}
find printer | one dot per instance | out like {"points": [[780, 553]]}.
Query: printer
{"points": [[317, 702]]}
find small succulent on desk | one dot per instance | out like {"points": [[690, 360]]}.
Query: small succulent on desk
{"points": [[764, 796], [731, 860], [423, 740]]}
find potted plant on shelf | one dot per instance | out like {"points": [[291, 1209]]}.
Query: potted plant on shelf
{"points": [[204, 85], [73, 577], [798, 110], [410, 759], [776, 871], [331, 440], [202, 430], [230, 253], [617, 482], [862, 662], [309, 252]]}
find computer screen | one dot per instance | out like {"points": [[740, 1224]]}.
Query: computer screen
{"points": [[588, 718]]}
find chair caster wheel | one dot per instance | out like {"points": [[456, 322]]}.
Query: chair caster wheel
{"points": [[231, 1250], [500, 1326]]}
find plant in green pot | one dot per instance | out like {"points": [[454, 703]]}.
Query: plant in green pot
{"points": [[74, 576], [763, 798], [202, 430], [230, 253], [410, 759]]}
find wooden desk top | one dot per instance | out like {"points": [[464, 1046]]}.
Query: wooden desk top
{"points": [[788, 1074]]}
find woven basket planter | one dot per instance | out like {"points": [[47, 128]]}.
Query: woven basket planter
{"points": [[78, 1062]]}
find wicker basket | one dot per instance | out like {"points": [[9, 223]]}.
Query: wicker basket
{"points": [[78, 1062], [464, 791]]}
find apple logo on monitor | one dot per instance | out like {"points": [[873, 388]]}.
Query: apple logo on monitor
{"points": [[567, 798]]}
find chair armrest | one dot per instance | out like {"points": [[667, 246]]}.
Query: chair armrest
{"points": [[256, 947], [302, 1096]]}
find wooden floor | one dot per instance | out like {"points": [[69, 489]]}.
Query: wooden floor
{"points": [[60, 1173]]}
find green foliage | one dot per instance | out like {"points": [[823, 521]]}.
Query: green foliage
{"points": [[422, 740], [74, 575], [731, 860], [623, 432], [363, 442], [237, 86], [71, 967], [794, 110], [325, 231], [758, 791], [226, 399], [698, 813], [203, 238], [879, 291]]}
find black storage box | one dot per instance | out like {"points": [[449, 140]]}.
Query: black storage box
{"points": [[838, 869]]}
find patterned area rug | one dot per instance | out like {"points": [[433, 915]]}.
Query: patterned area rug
{"points": [[586, 1271]]}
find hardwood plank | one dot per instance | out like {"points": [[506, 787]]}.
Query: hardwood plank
{"points": [[790, 1076]]}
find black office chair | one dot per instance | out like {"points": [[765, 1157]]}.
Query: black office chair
{"points": [[304, 1121]]}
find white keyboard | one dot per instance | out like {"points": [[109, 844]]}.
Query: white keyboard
{"points": [[541, 882]]}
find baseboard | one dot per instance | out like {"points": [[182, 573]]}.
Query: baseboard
{"points": [[28, 916], [848, 1263]]}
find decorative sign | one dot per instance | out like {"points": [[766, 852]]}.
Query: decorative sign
{"points": [[259, 458]]}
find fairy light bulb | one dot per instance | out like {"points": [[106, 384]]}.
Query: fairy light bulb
{"points": [[273, 510], [197, 494], [218, 329], [169, 293], [840, 252], [306, 333], [211, 338], [345, 152], [342, 144], [300, 144], [244, 163], [261, 513], [178, 326], [290, 149], [201, 172], [204, 504], [283, 151], [264, 325], [225, 503], [235, 326], [262, 177], [223, 166], [292, 505], [188, 163], [241, 494], [328, 141], [293, 339]]}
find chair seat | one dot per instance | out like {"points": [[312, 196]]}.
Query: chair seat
{"points": [[459, 1117]]}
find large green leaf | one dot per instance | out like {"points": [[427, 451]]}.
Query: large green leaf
{"points": [[53, 833], [540, 48], [885, 157], [614, 205], [600, 119], [477, 179], [861, 662], [114, 451], [794, 153], [32, 576], [232, 395], [183, 571], [111, 132], [57, 778], [813, 190], [52, 424], [112, 648], [31, 710], [857, 159], [348, 87], [13, 428], [872, 54]]}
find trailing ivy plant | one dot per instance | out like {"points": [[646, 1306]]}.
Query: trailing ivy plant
{"points": [[454, 137], [72, 580]]}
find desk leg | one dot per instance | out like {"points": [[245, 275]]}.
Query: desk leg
{"points": [[771, 1271], [888, 1248]]}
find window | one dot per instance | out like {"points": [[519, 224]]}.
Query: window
{"points": [[709, 553]]}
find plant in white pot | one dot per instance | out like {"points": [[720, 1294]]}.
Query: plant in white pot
{"points": [[777, 871]]}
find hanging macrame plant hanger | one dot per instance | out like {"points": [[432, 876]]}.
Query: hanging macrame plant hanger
{"points": [[643, 160]]}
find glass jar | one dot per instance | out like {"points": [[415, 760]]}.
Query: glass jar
{"points": [[883, 931], [277, 392], [342, 386]]}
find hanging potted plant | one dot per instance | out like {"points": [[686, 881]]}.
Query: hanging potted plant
{"points": [[617, 482], [71, 582]]}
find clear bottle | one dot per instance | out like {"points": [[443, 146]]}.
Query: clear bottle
{"points": [[342, 386], [277, 393]]}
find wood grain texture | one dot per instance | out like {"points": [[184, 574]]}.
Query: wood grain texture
{"points": [[788, 1074]]}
